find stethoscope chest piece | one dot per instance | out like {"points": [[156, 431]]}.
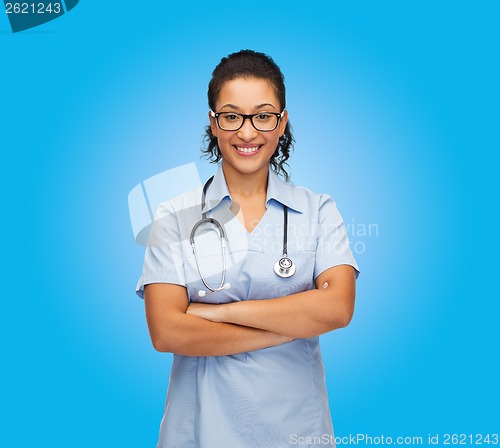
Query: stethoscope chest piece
{"points": [[284, 267]]}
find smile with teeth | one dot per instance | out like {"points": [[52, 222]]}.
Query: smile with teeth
{"points": [[248, 150]]}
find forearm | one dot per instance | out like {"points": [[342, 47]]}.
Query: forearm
{"points": [[302, 315], [193, 336]]}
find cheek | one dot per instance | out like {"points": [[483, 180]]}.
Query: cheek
{"points": [[222, 138], [273, 140], [223, 141]]}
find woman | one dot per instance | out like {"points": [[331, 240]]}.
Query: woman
{"points": [[247, 369]]}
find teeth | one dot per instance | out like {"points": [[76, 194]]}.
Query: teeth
{"points": [[247, 150]]}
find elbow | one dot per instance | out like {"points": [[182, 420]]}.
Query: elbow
{"points": [[341, 317], [346, 313], [328, 322], [172, 342], [345, 310], [160, 346], [162, 342], [166, 335], [343, 320]]}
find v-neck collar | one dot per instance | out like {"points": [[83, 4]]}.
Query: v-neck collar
{"points": [[277, 190]]}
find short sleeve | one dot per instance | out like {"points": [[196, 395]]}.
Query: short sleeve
{"points": [[163, 259], [333, 244]]}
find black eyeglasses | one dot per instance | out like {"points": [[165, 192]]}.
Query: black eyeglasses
{"points": [[232, 121]]}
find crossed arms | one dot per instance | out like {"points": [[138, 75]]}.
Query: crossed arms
{"points": [[199, 329]]}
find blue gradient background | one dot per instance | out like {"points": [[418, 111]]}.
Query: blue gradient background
{"points": [[395, 111]]}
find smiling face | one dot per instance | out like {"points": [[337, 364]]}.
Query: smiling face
{"points": [[247, 151]]}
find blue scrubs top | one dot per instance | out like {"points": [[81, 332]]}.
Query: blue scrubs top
{"points": [[273, 397]]}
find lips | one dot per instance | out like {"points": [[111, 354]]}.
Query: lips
{"points": [[247, 150]]}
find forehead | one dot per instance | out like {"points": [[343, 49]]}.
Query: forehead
{"points": [[247, 92]]}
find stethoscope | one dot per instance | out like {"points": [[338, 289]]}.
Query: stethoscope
{"points": [[284, 267]]}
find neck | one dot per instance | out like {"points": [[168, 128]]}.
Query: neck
{"points": [[242, 184]]}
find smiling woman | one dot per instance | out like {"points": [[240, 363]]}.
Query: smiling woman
{"points": [[247, 368]]}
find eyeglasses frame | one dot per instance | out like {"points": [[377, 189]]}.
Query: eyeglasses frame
{"points": [[216, 115]]}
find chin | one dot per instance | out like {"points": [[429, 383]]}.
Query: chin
{"points": [[247, 166]]}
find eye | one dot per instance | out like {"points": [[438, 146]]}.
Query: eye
{"points": [[263, 117], [231, 117]]}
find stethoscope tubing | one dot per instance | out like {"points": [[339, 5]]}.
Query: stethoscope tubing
{"points": [[222, 237], [284, 267]]}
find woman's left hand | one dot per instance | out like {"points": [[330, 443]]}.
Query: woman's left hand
{"points": [[207, 311]]}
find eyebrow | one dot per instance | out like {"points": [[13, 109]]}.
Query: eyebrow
{"points": [[260, 106]]}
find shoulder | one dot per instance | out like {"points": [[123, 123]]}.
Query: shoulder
{"points": [[178, 215], [308, 194], [180, 203], [303, 198]]}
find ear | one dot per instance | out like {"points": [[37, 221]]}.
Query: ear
{"points": [[283, 122], [213, 125]]}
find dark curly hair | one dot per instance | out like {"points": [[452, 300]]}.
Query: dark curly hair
{"points": [[250, 64]]}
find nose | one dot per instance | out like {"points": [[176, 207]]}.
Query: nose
{"points": [[247, 132]]}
